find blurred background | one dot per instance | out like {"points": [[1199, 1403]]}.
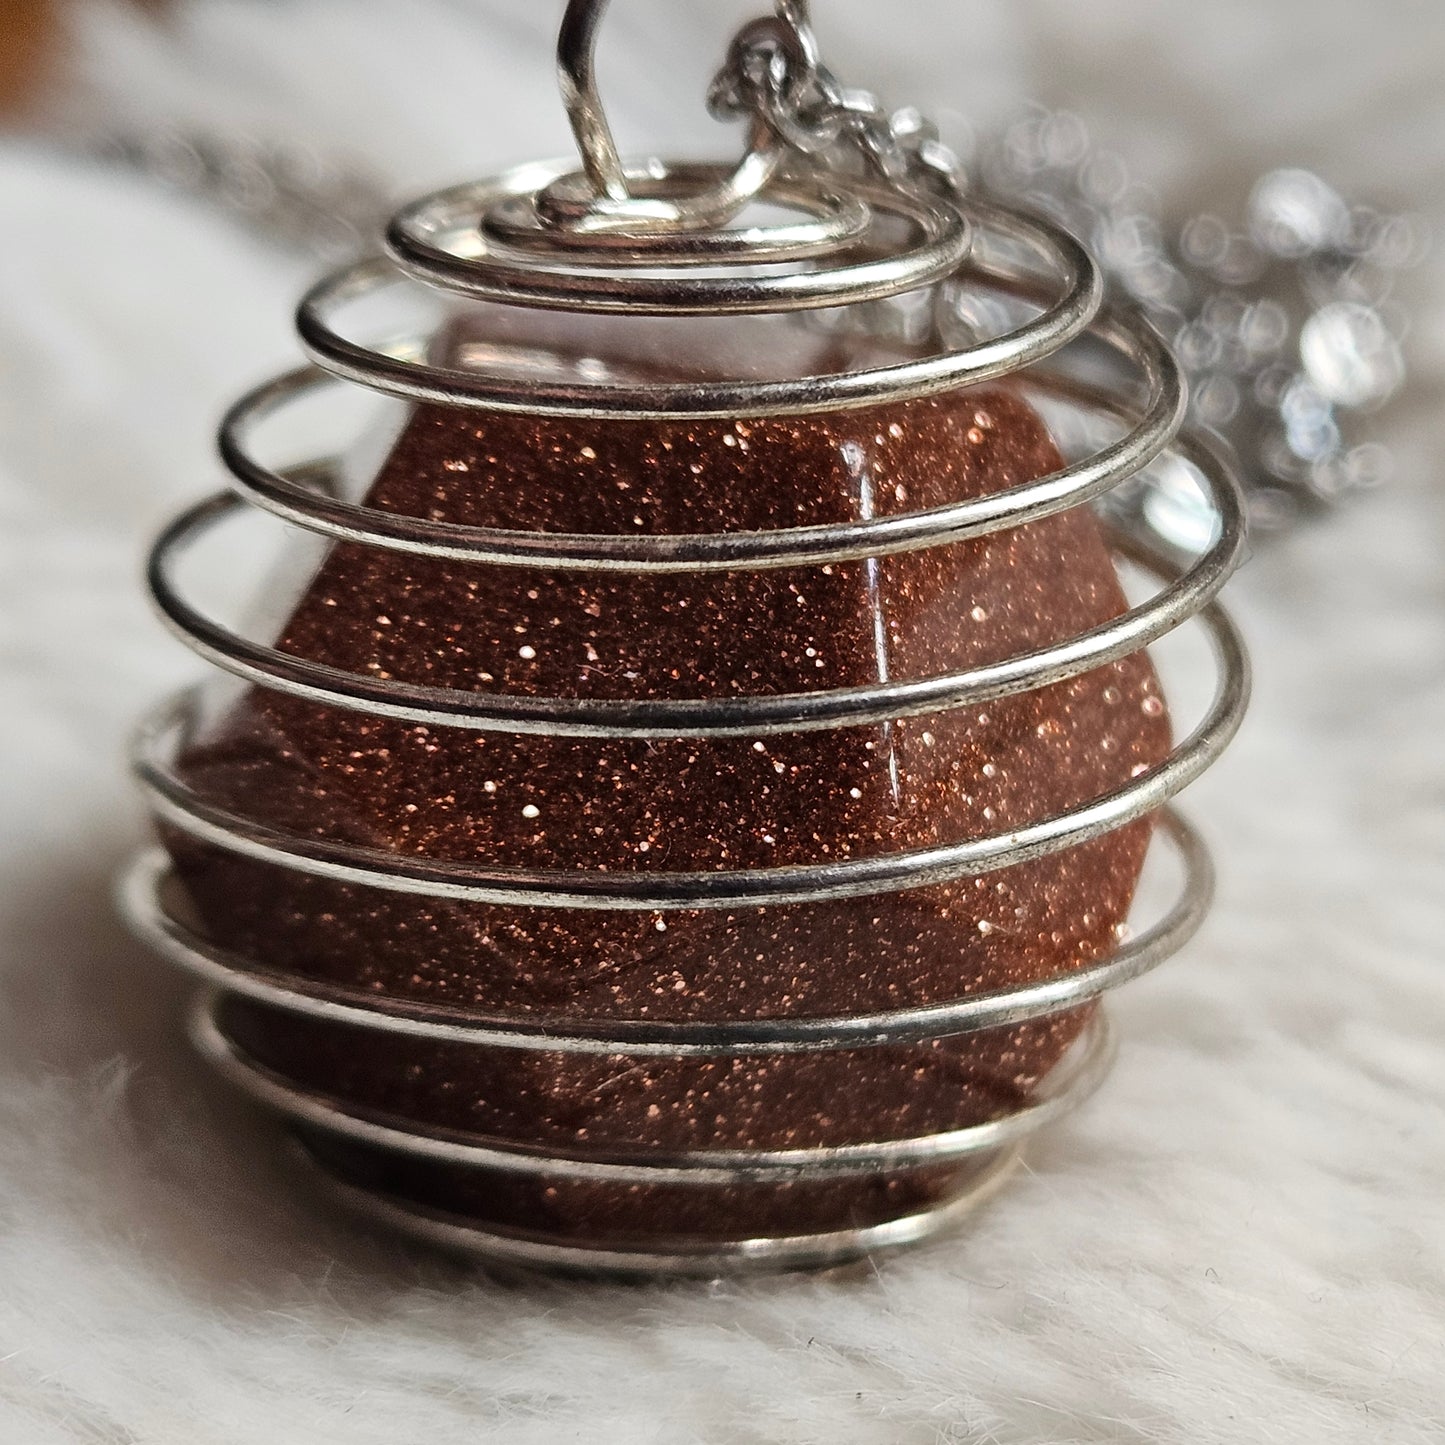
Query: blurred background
{"points": [[148, 274]]}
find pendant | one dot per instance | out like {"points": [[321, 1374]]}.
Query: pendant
{"points": [[688, 815]]}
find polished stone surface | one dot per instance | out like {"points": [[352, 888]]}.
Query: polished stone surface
{"points": [[688, 803]]}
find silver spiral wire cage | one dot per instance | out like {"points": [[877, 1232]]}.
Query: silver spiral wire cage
{"points": [[658, 241]]}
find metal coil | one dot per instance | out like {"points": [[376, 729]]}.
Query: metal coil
{"points": [[657, 240]]}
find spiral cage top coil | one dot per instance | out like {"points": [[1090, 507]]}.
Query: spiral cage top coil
{"points": [[659, 240]]}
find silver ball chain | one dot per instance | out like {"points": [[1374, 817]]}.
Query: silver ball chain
{"points": [[1283, 316]]}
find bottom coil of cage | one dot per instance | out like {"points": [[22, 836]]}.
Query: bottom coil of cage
{"points": [[485, 1197], [660, 1258], [409, 1180]]}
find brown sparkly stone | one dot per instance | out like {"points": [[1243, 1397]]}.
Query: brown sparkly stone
{"points": [[688, 803]]}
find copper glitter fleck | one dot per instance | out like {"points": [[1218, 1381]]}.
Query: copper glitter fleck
{"points": [[685, 804]]}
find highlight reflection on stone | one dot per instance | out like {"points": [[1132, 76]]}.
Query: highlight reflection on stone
{"points": [[686, 804]]}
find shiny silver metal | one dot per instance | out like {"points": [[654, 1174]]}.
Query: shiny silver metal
{"points": [[156, 907], [682, 1258], [876, 214], [438, 241], [1073, 1082]]}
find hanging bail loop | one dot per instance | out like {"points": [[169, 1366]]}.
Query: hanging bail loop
{"points": [[619, 200], [577, 78]]}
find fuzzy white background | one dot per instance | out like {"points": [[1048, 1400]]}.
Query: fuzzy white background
{"points": [[1242, 1239]]}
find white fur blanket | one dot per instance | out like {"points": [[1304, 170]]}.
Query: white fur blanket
{"points": [[1242, 1239]]}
